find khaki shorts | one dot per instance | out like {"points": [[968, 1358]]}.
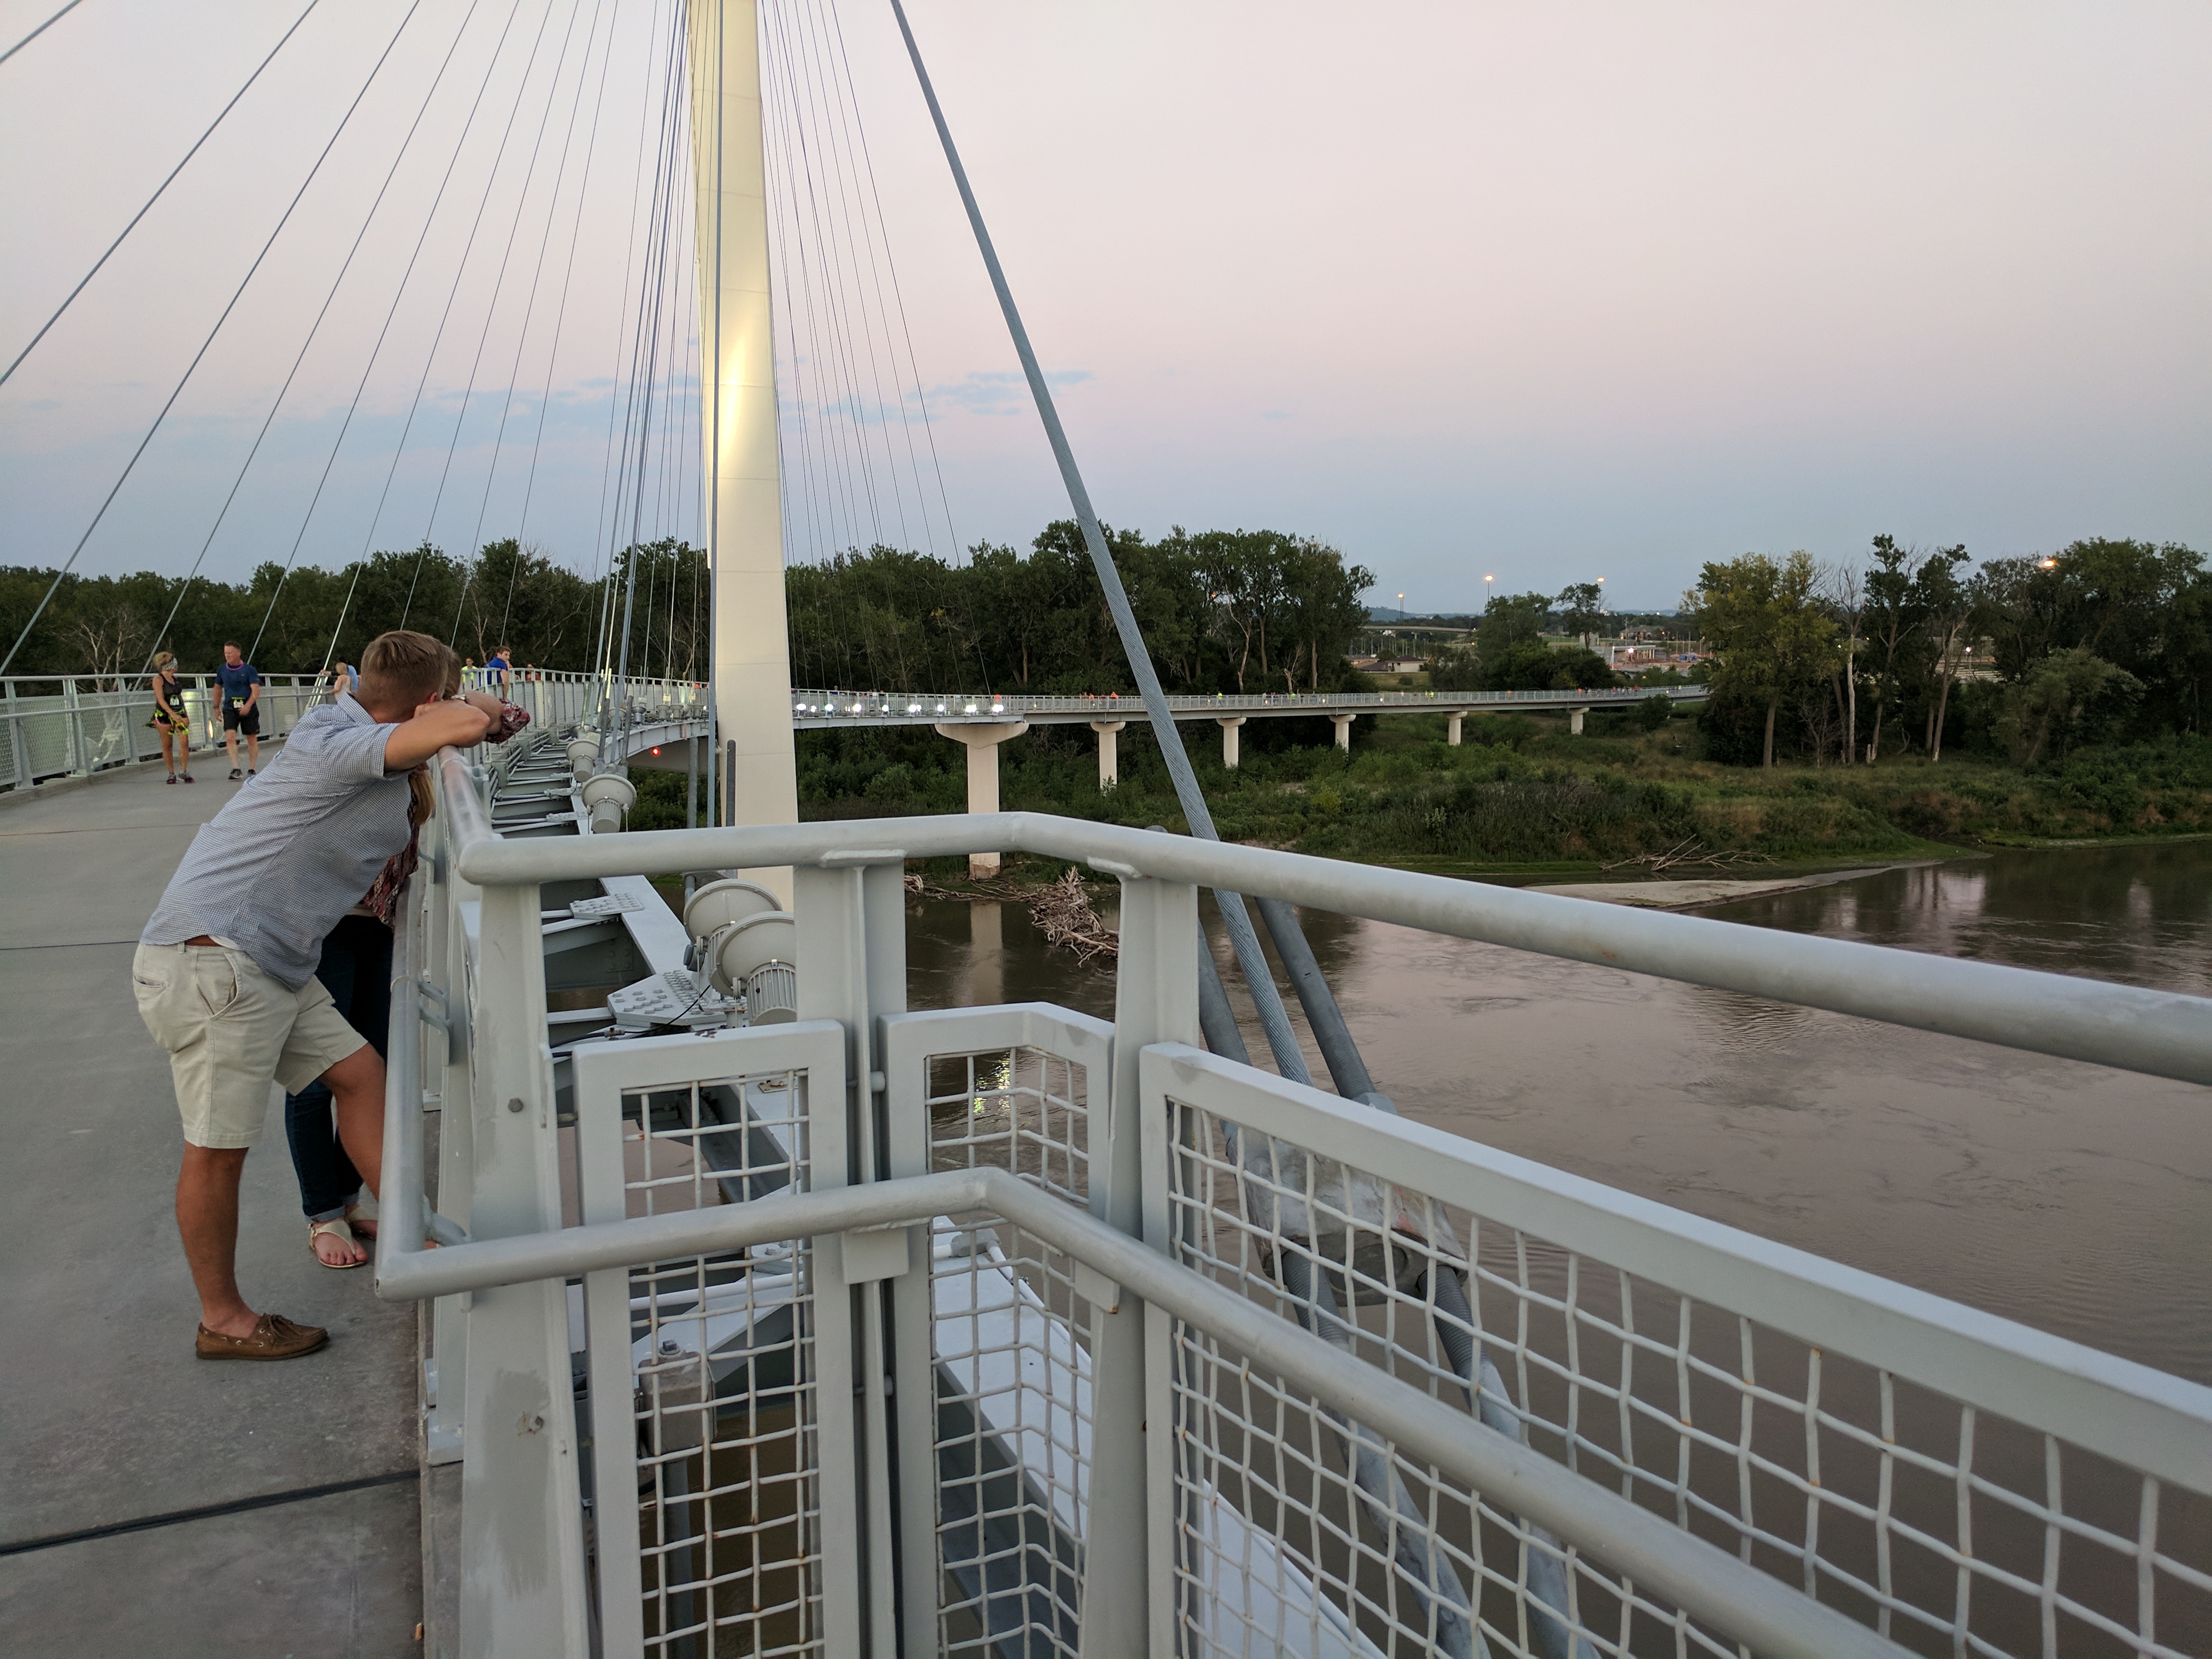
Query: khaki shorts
{"points": [[230, 1031]]}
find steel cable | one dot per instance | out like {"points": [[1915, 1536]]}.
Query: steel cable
{"points": [[491, 312], [277, 402], [1282, 1042], [841, 250], [453, 293], [898, 296], [530, 306], [184, 380], [600, 518], [375, 350], [561, 317], [42, 29], [159, 189]]}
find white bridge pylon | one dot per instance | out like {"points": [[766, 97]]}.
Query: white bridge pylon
{"points": [[755, 769]]}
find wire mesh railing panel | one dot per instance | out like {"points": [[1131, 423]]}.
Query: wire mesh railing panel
{"points": [[726, 1408], [1947, 1527], [1010, 1352]]}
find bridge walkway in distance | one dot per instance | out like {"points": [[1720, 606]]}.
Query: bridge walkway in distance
{"points": [[150, 1503]]}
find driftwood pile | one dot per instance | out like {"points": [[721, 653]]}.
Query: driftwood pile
{"points": [[1061, 909], [1691, 851]]}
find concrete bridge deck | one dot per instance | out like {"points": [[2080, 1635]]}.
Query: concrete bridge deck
{"points": [[150, 1503]]}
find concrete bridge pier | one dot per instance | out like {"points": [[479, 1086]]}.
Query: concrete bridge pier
{"points": [[1343, 723], [1574, 723], [1109, 759], [1453, 736], [984, 738], [1229, 723]]}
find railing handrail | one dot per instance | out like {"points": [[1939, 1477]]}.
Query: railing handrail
{"points": [[953, 704], [2160, 1033], [2123, 1409], [1735, 1595]]}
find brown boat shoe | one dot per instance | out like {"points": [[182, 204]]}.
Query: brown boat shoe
{"points": [[275, 1337]]}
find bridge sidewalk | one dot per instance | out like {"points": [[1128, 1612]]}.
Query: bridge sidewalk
{"points": [[115, 1442]]}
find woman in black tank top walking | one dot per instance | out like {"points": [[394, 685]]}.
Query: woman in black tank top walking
{"points": [[170, 719]]}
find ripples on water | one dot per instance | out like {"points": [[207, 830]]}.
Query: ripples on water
{"points": [[2069, 1197]]}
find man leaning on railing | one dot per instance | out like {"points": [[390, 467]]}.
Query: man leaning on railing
{"points": [[225, 970]]}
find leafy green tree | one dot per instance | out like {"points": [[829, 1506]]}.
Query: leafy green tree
{"points": [[2070, 695], [1509, 622], [1947, 604], [1893, 621], [1582, 608], [1766, 625], [1533, 666]]}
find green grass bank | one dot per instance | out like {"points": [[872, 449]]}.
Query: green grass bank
{"points": [[1520, 795]]}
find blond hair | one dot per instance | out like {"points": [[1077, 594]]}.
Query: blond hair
{"points": [[404, 669], [163, 659]]}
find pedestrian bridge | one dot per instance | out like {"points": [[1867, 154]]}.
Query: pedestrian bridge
{"points": [[770, 1314], [76, 724]]}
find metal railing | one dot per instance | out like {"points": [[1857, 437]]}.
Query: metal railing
{"points": [[73, 725], [1006, 1330], [819, 706]]}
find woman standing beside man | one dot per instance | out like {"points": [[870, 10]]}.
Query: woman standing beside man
{"points": [[356, 970]]}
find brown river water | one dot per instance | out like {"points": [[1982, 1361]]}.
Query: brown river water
{"points": [[2067, 1196]]}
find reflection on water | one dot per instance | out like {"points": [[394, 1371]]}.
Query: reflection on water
{"points": [[2066, 1196]]}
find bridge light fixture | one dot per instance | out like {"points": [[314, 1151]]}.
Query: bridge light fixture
{"points": [[970, 710], [914, 708], [941, 708]]}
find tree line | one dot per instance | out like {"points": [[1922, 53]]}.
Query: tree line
{"points": [[1511, 652], [299, 622], [2103, 640], [1221, 610]]}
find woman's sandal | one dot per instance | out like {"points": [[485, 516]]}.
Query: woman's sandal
{"points": [[337, 1228]]}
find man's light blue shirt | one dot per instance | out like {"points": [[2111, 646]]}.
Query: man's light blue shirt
{"points": [[295, 850]]}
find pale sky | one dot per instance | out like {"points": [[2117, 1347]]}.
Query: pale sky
{"points": [[1549, 292]]}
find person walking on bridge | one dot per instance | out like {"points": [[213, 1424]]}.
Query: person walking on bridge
{"points": [[224, 973], [170, 719], [241, 688]]}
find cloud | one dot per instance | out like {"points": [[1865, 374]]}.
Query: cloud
{"points": [[1000, 391]]}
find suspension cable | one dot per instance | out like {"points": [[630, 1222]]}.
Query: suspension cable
{"points": [[277, 402], [368, 367], [898, 296], [491, 312], [530, 306], [560, 319], [163, 186], [184, 379], [42, 29], [460, 270], [1282, 1042]]}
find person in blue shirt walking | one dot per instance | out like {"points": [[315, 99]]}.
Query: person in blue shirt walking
{"points": [[240, 684]]}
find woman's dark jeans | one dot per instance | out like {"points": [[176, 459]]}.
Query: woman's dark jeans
{"points": [[356, 970]]}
